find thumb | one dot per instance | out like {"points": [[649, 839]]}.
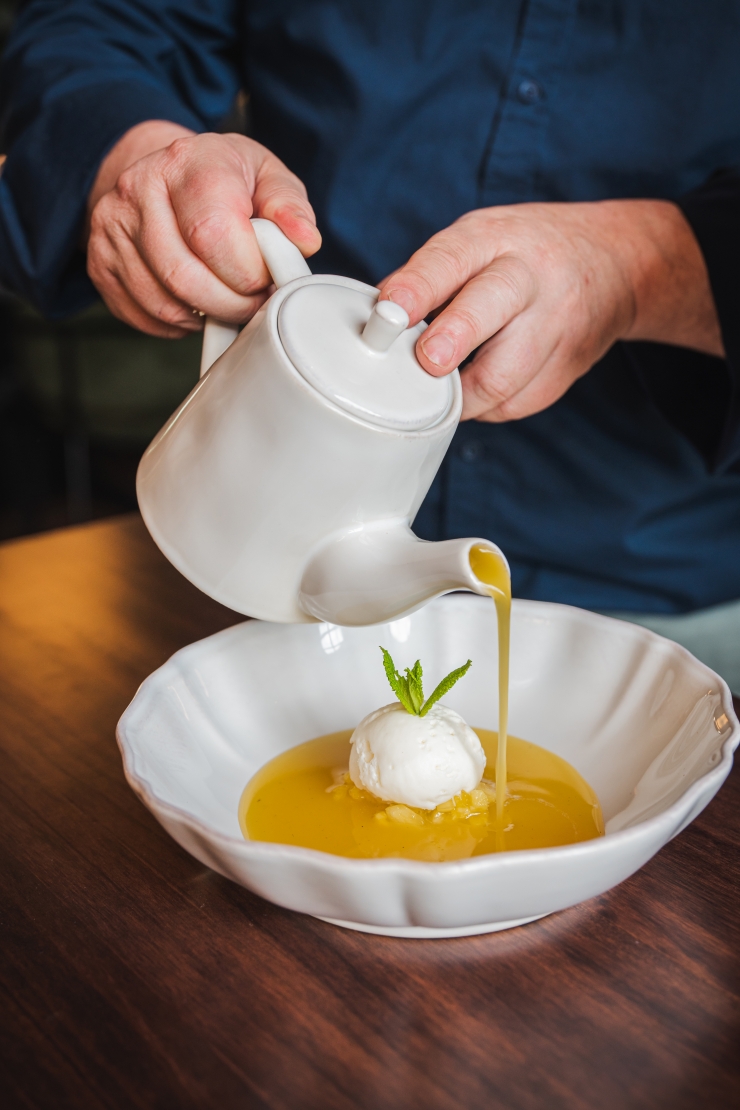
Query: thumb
{"points": [[280, 196]]}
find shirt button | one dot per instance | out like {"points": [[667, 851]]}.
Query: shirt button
{"points": [[530, 92], [471, 451]]}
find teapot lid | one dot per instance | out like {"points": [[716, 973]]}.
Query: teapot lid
{"points": [[321, 327]]}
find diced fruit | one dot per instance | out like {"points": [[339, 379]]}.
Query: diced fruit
{"points": [[403, 815]]}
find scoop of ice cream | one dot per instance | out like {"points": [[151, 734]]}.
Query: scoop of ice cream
{"points": [[419, 761]]}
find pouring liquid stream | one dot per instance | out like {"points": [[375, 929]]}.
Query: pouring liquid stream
{"points": [[490, 569]]}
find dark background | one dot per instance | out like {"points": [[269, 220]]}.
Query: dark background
{"points": [[79, 402]]}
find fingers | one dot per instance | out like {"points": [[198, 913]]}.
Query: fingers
{"points": [[215, 185], [538, 291], [442, 266], [156, 270], [127, 309], [521, 371], [190, 279], [206, 202], [494, 287], [163, 315], [175, 233], [486, 304]]}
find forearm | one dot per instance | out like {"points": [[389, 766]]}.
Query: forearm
{"points": [[673, 301], [131, 63]]}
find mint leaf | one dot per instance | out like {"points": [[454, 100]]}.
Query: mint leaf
{"points": [[413, 680], [409, 690], [399, 685], [445, 685]]}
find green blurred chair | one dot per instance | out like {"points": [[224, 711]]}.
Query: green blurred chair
{"points": [[94, 380]]}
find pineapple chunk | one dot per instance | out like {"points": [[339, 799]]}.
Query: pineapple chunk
{"points": [[403, 815]]}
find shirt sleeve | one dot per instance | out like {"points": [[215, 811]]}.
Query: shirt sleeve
{"points": [[713, 211], [75, 77]]}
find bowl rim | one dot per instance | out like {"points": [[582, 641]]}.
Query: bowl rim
{"points": [[673, 814]]}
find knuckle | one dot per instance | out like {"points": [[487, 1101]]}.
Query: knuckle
{"points": [[492, 391], [513, 278], [284, 209], [422, 288], [101, 218], [96, 220], [508, 409], [250, 286], [485, 387], [206, 231], [95, 271], [170, 313], [208, 234], [127, 185], [448, 260], [463, 321], [487, 383], [176, 280], [99, 269], [179, 152]]}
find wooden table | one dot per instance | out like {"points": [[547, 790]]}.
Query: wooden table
{"points": [[133, 977]]}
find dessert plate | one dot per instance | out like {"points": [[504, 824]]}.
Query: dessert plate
{"points": [[647, 725]]}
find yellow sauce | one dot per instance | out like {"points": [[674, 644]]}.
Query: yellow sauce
{"points": [[489, 568], [304, 797]]}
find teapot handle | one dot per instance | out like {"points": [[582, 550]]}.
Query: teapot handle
{"points": [[285, 263]]}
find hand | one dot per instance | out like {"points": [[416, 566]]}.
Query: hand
{"points": [[170, 231], [544, 290]]}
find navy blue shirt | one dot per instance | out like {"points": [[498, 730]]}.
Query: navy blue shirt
{"points": [[399, 117]]}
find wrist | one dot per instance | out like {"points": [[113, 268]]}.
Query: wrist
{"points": [[672, 299]]}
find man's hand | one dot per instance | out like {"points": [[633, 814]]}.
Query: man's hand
{"points": [[170, 231], [543, 291]]}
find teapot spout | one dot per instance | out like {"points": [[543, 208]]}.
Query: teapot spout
{"points": [[381, 571]]}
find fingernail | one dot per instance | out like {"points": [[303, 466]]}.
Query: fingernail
{"points": [[401, 297], [439, 349]]}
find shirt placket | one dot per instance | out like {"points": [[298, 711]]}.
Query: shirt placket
{"points": [[511, 172], [510, 175]]}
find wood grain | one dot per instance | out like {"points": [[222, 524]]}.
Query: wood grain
{"points": [[133, 977]]}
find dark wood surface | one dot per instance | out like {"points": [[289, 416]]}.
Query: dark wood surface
{"points": [[131, 976]]}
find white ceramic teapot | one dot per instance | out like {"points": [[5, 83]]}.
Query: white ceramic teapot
{"points": [[285, 484]]}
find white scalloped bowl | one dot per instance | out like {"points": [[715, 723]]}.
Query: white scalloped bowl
{"points": [[648, 726]]}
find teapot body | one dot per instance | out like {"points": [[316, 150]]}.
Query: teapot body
{"points": [[257, 470]]}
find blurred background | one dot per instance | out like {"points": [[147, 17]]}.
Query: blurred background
{"points": [[80, 400]]}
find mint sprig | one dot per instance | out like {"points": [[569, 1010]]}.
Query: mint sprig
{"points": [[408, 687]]}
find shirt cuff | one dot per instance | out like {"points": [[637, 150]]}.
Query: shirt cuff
{"points": [[713, 212], [47, 177]]}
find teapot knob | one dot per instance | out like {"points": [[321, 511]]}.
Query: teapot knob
{"points": [[387, 321]]}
